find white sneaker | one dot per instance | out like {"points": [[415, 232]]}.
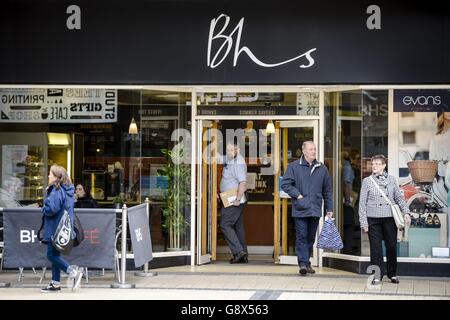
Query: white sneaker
{"points": [[77, 279], [71, 276]]}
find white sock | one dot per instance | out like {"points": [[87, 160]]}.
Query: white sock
{"points": [[72, 271], [56, 283]]}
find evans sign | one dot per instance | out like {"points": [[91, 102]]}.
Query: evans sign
{"points": [[421, 100]]}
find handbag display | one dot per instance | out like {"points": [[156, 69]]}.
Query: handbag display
{"points": [[395, 209], [329, 237]]}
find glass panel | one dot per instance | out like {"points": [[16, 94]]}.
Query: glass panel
{"points": [[119, 157], [295, 138], [23, 174], [23, 169], [165, 166], [209, 201], [425, 185], [356, 128], [343, 117], [256, 148]]}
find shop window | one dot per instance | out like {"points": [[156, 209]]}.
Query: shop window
{"points": [[356, 128], [117, 163], [423, 183]]}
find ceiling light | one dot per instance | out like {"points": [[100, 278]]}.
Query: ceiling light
{"points": [[133, 127], [270, 128]]}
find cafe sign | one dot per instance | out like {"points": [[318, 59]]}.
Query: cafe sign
{"points": [[45, 105]]}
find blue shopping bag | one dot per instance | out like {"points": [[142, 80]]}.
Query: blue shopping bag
{"points": [[329, 236]]}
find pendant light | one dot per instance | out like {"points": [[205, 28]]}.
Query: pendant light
{"points": [[249, 128], [133, 127], [270, 128]]}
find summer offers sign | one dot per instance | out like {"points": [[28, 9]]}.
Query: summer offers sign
{"points": [[433, 100], [71, 105]]}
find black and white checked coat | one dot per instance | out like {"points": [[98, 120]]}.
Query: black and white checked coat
{"points": [[373, 205]]}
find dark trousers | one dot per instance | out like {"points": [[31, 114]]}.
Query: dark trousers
{"points": [[232, 224], [58, 263], [305, 235], [383, 229]]}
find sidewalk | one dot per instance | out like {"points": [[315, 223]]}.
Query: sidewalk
{"points": [[230, 282]]}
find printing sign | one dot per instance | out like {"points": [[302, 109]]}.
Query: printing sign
{"points": [[69, 105]]}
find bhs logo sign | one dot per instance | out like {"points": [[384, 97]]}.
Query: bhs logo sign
{"points": [[28, 236]]}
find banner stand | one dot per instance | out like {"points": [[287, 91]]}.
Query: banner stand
{"points": [[122, 284], [146, 273], [3, 284]]}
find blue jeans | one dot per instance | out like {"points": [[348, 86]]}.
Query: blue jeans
{"points": [[58, 263], [305, 234]]}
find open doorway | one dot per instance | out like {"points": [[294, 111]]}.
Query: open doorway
{"points": [[267, 150]]}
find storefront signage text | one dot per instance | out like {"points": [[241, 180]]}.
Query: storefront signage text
{"points": [[227, 43], [246, 110], [58, 105], [308, 103], [421, 100]]}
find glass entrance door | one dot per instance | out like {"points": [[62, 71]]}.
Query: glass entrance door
{"points": [[206, 191], [290, 136], [276, 150]]}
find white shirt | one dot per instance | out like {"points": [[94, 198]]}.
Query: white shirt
{"points": [[234, 172], [440, 150]]}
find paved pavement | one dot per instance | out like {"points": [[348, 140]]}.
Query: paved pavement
{"points": [[229, 282]]}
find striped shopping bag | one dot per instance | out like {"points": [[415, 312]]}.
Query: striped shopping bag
{"points": [[329, 236]]}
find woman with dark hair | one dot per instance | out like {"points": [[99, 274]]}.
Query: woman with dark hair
{"points": [[375, 216], [83, 198], [59, 197]]}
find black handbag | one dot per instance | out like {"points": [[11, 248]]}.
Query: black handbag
{"points": [[62, 239], [79, 232]]}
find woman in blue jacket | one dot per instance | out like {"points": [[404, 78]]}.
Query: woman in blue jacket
{"points": [[59, 195]]}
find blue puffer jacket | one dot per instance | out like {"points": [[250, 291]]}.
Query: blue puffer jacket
{"points": [[313, 183], [57, 199]]}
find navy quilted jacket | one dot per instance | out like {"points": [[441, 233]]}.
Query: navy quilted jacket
{"points": [[313, 183]]}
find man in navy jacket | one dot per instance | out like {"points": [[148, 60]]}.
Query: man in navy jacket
{"points": [[308, 183]]}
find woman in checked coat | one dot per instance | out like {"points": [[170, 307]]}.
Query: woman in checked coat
{"points": [[376, 218]]}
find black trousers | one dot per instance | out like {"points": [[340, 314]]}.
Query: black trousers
{"points": [[383, 229], [232, 224]]}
